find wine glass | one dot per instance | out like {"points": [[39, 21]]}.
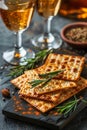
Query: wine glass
{"points": [[16, 15], [48, 9]]}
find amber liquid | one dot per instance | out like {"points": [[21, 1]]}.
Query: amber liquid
{"points": [[18, 16], [48, 8], [74, 8]]}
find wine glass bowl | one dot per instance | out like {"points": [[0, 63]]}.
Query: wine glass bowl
{"points": [[17, 15], [47, 9]]}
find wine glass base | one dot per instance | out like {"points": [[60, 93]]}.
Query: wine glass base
{"points": [[52, 42], [10, 56]]}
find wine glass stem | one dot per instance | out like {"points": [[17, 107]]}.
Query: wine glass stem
{"points": [[47, 26], [19, 50], [18, 43]]}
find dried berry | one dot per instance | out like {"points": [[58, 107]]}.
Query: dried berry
{"points": [[5, 92]]}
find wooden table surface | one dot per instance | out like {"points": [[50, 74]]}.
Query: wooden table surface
{"points": [[6, 42]]}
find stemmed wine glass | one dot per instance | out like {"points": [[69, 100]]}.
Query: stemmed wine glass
{"points": [[48, 9], [16, 15]]}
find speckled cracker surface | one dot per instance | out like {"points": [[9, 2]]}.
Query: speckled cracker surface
{"points": [[58, 89], [22, 82], [44, 106], [53, 85], [72, 65], [24, 78]]}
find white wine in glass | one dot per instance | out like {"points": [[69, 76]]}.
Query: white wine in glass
{"points": [[17, 15], [47, 9]]}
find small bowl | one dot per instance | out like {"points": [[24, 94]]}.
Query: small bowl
{"points": [[75, 44]]}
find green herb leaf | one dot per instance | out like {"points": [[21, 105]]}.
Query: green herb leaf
{"points": [[47, 77], [84, 101], [46, 81], [31, 63], [54, 73], [69, 106], [34, 83]]}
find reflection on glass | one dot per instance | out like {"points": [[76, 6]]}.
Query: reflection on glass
{"points": [[17, 14], [47, 9]]}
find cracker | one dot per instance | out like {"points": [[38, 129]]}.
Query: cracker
{"points": [[66, 94], [72, 65], [40, 105], [52, 86], [44, 106], [24, 78], [49, 97], [20, 81], [54, 96], [25, 88]]}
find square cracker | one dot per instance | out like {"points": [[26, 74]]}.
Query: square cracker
{"points": [[51, 86], [49, 97], [24, 78], [21, 82], [72, 65], [53, 96], [44, 106]]}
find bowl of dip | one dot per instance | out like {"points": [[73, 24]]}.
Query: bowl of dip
{"points": [[75, 34]]}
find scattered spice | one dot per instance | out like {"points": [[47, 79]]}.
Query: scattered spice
{"points": [[5, 92], [18, 107], [37, 113], [77, 34]]}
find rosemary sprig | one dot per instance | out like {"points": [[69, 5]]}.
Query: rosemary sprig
{"points": [[36, 82], [51, 74], [69, 106], [47, 77], [31, 63]]}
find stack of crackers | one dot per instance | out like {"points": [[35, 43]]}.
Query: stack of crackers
{"points": [[60, 88]]}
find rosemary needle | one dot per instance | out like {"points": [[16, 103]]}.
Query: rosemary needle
{"points": [[53, 73], [47, 77], [31, 63], [36, 82], [69, 106]]}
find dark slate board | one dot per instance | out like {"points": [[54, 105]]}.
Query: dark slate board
{"points": [[21, 110]]}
